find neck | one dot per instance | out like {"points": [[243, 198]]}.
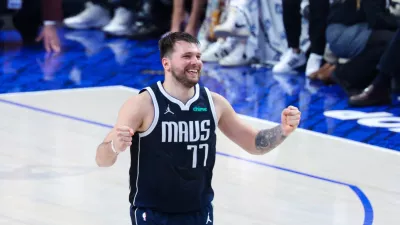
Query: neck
{"points": [[177, 90]]}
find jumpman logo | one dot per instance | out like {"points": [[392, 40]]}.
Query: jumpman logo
{"points": [[168, 110], [208, 219]]}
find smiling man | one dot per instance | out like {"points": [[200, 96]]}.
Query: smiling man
{"points": [[170, 129]]}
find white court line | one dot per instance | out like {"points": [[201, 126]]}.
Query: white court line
{"points": [[268, 123]]}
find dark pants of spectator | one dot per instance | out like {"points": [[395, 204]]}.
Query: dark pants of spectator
{"points": [[389, 66], [129, 4], [27, 20], [318, 13], [361, 71]]}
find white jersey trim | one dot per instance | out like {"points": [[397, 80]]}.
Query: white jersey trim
{"points": [[137, 175], [156, 114], [147, 132], [213, 111], [184, 107]]}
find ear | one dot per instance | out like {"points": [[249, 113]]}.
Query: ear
{"points": [[166, 63]]}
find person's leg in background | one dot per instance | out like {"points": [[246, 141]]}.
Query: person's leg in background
{"points": [[317, 18], [294, 57], [379, 92], [28, 20], [319, 10], [195, 18], [292, 23], [178, 16], [389, 63]]}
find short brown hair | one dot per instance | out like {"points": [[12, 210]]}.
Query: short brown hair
{"points": [[167, 42]]}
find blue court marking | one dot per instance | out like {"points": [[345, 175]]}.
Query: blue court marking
{"points": [[368, 210]]}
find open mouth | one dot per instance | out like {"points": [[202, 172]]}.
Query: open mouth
{"points": [[193, 72]]}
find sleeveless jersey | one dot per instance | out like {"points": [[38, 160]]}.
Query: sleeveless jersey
{"points": [[172, 162]]}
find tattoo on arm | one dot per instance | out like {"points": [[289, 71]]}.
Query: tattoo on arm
{"points": [[268, 139]]}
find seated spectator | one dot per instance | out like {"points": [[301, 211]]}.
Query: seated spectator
{"points": [[379, 91], [359, 33], [244, 32], [31, 15]]}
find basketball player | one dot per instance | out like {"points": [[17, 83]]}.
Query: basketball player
{"points": [[170, 129]]}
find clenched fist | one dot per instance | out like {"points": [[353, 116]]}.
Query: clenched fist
{"points": [[123, 139], [290, 119]]}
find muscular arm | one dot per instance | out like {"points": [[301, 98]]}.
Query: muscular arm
{"points": [[256, 142], [268, 139], [131, 114]]}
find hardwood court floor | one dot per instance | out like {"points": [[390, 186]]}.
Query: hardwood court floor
{"points": [[48, 174]]}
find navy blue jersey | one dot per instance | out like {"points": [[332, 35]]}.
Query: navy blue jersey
{"points": [[172, 162]]}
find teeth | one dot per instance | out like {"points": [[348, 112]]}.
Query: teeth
{"points": [[193, 71]]}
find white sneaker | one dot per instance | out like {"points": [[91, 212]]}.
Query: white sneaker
{"points": [[235, 25], [120, 23], [237, 57], [203, 45], [217, 50], [313, 63], [289, 62], [94, 16]]}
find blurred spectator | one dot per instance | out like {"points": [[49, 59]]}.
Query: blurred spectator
{"points": [[247, 32], [30, 15], [226, 33], [317, 17], [379, 91], [359, 34], [195, 16], [134, 19], [97, 14]]}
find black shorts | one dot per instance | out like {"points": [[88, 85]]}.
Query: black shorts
{"points": [[141, 216]]}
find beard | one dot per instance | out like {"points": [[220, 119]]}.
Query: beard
{"points": [[184, 79]]}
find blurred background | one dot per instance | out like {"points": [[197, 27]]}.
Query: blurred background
{"points": [[320, 55]]}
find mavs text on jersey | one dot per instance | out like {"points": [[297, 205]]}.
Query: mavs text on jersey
{"points": [[172, 162]]}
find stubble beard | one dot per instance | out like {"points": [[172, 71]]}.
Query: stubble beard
{"points": [[182, 79]]}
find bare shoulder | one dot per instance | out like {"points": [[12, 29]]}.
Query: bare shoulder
{"points": [[135, 103], [219, 100], [136, 111], [221, 104], [143, 99]]}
